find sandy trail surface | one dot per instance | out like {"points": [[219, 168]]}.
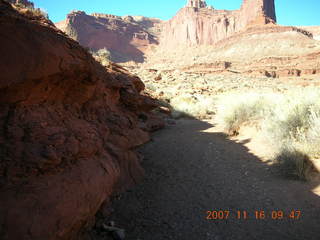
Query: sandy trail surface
{"points": [[192, 169]]}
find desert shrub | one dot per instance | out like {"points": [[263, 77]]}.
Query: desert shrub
{"points": [[192, 105], [236, 110], [103, 56], [290, 122], [39, 12], [294, 118], [293, 163], [29, 10], [312, 139], [151, 87]]}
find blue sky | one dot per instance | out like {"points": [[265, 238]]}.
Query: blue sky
{"points": [[289, 12]]}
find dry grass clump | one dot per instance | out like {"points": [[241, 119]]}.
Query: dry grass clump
{"points": [[236, 110], [290, 122], [293, 163], [103, 56], [192, 105], [30, 11]]}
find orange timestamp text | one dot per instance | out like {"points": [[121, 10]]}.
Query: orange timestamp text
{"points": [[256, 214]]}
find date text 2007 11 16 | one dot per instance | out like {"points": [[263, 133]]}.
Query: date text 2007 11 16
{"points": [[257, 214]]}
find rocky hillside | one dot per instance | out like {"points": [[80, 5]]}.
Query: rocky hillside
{"points": [[127, 38], [68, 130]]}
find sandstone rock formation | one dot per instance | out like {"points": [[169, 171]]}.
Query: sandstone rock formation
{"points": [[228, 35], [68, 129], [127, 38], [315, 30], [293, 52], [247, 40], [195, 24], [197, 3]]}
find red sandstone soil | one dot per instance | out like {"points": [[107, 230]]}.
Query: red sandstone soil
{"points": [[190, 171]]}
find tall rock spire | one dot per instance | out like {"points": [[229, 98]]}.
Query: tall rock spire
{"points": [[197, 3], [259, 9]]}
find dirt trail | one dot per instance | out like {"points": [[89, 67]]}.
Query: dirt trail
{"points": [[191, 169]]}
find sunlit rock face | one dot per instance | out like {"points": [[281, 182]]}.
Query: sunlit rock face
{"points": [[198, 24], [127, 38]]}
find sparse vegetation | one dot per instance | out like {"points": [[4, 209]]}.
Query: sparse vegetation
{"points": [[38, 12], [72, 33], [286, 118], [102, 55], [191, 105], [289, 121], [236, 110], [293, 163], [30, 11], [196, 94]]}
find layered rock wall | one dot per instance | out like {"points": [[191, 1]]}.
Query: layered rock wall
{"points": [[202, 25], [125, 38]]}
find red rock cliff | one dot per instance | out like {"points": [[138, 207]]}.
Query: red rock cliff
{"points": [[205, 25], [68, 129], [127, 38]]}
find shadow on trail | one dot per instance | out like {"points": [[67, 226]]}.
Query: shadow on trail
{"points": [[190, 171]]}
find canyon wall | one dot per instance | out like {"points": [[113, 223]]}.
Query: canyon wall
{"points": [[206, 26], [68, 130], [127, 38]]}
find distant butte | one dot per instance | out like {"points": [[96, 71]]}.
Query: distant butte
{"points": [[128, 38], [197, 23]]}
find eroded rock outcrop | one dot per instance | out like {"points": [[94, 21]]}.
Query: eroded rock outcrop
{"points": [[196, 24], [315, 30], [25, 3], [68, 129], [127, 38]]}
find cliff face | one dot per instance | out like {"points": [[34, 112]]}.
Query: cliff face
{"points": [[204, 25], [127, 38], [257, 12], [68, 129]]}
